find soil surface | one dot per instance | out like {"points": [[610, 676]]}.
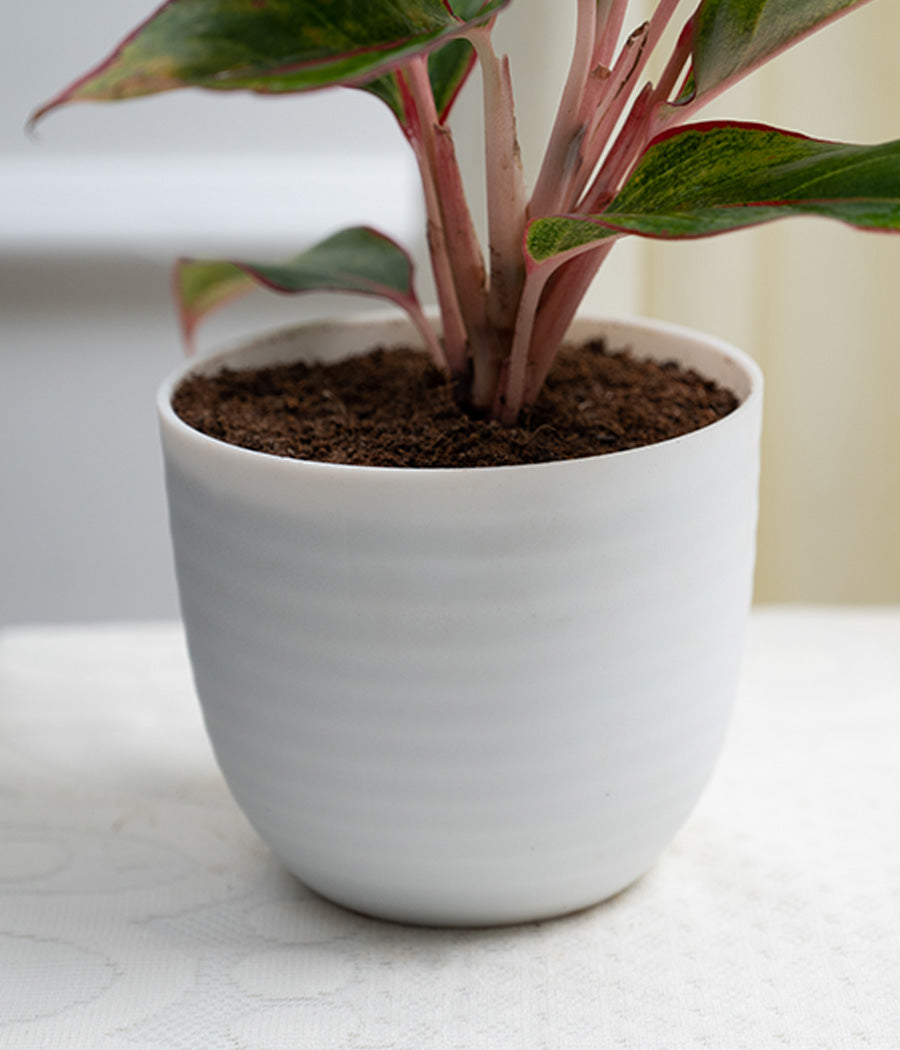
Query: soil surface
{"points": [[392, 408]]}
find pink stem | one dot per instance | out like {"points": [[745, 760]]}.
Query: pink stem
{"points": [[629, 145], [506, 197], [564, 295], [454, 332], [608, 36], [679, 58], [563, 148], [511, 396], [657, 24], [561, 300], [607, 112], [558, 289], [462, 248], [468, 270], [627, 69]]}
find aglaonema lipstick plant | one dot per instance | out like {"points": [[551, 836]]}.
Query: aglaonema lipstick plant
{"points": [[625, 156]]}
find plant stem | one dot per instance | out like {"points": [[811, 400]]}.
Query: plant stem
{"points": [[562, 297], [467, 264], [627, 148], [563, 150], [679, 58], [608, 32], [606, 111], [463, 251], [511, 393], [454, 332], [506, 196], [627, 69], [658, 22], [559, 289], [667, 115]]}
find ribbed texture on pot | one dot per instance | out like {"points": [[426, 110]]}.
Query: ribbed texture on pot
{"points": [[468, 696]]}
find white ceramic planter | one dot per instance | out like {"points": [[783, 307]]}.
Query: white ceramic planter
{"points": [[469, 696]]}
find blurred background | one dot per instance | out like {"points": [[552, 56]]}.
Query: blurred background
{"points": [[93, 212]]}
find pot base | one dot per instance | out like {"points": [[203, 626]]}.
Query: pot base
{"points": [[479, 917]]}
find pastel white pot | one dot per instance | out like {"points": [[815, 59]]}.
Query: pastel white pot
{"points": [[478, 696]]}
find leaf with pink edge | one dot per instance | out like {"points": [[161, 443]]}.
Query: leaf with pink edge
{"points": [[707, 179], [733, 37], [358, 260], [270, 46], [202, 286]]}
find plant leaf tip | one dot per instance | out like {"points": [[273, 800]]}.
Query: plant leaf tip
{"points": [[37, 116]]}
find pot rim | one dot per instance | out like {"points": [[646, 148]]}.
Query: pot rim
{"points": [[209, 362]]}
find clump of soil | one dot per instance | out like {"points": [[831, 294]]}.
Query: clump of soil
{"points": [[393, 408]]}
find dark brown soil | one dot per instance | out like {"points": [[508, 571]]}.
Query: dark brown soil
{"points": [[391, 408]]}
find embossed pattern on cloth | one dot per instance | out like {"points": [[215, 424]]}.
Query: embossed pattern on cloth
{"points": [[138, 911]]}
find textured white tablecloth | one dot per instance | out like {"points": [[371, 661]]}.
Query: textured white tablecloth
{"points": [[138, 910]]}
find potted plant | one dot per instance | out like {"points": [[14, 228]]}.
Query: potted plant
{"points": [[485, 695]]}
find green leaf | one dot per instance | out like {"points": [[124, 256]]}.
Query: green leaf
{"points": [[449, 67], [733, 37], [358, 260], [272, 46], [448, 70], [707, 179]]}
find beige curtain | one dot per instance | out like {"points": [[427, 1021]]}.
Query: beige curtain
{"points": [[817, 304]]}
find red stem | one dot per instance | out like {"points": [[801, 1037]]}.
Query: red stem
{"points": [[561, 299], [463, 251], [454, 332], [606, 112], [679, 58], [511, 392], [627, 148]]}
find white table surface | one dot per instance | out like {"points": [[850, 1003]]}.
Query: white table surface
{"points": [[138, 910]]}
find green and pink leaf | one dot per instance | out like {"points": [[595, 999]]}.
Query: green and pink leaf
{"points": [[707, 179], [731, 38], [202, 286], [275, 46], [358, 260]]}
